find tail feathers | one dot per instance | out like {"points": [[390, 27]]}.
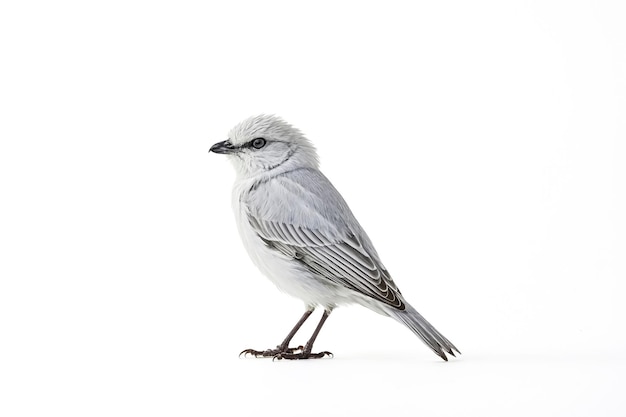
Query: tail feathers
{"points": [[421, 327]]}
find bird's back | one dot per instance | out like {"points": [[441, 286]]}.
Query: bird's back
{"points": [[305, 197]]}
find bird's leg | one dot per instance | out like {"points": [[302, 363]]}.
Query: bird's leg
{"points": [[283, 347], [305, 353]]}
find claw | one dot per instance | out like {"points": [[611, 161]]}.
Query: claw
{"points": [[270, 353], [302, 355], [289, 353], [252, 352]]}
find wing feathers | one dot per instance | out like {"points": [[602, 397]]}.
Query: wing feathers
{"points": [[340, 262], [301, 215]]}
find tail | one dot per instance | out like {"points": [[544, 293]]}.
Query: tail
{"points": [[429, 335]]}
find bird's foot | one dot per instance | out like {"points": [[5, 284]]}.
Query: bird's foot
{"points": [[271, 353], [302, 355]]}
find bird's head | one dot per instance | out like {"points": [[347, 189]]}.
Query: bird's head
{"points": [[264, 144]]}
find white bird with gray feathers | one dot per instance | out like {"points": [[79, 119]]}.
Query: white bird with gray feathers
{"points": [[301, 234]]}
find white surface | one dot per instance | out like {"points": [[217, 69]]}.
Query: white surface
{"points": [[124, 289]]}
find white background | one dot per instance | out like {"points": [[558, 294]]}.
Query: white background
{"points": [[480, 144]]}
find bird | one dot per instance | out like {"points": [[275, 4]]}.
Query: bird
{"points": [[300, 233]]}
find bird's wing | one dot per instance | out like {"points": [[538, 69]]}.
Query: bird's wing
{"points": [[301, 215]]}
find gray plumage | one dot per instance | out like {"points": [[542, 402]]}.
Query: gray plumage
{"points": [[301, 233]]}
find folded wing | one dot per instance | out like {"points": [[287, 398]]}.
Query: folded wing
{"points": [[311, 223]]}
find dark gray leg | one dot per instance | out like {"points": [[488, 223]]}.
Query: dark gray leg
{"points": [[306, 351], [283, 347]]}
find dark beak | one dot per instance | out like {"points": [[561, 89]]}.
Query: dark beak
{"points": [[223, 147]]}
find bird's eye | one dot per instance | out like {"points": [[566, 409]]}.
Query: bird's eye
{"points": [[258, 143]]}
